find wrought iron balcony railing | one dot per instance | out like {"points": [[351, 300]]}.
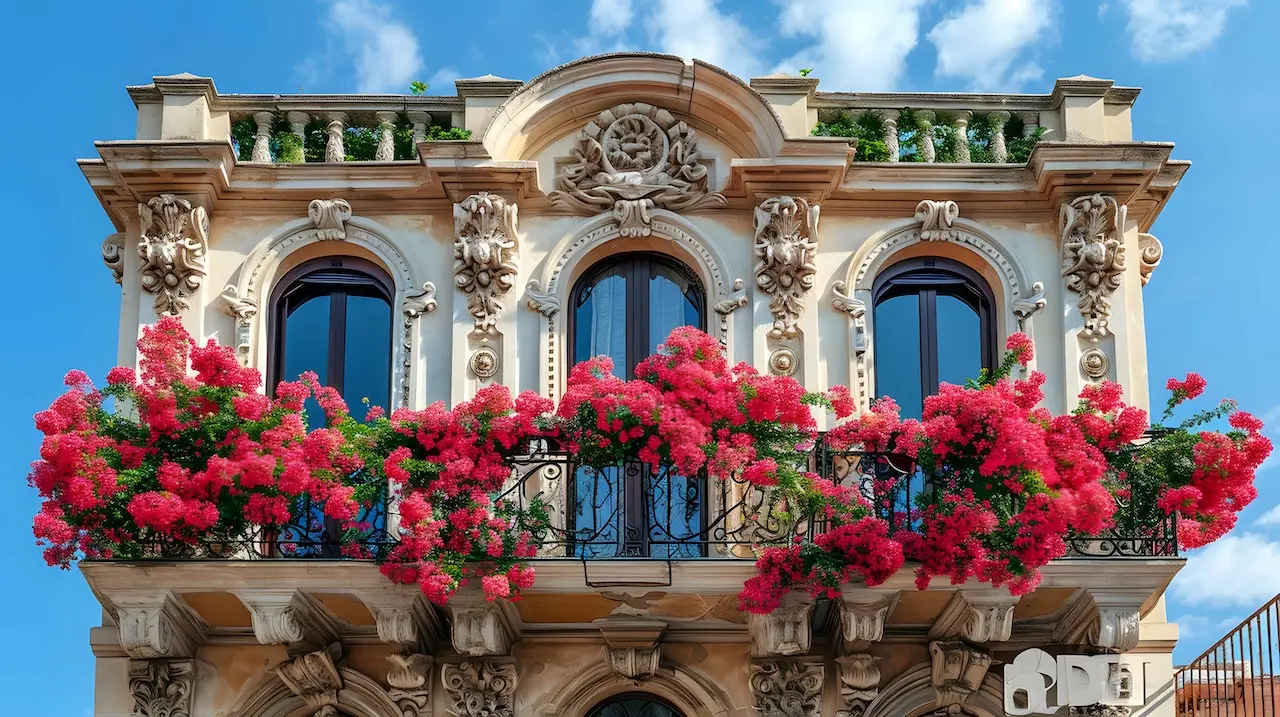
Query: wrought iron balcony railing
{"points": [[1236, 677], [632, 511]]}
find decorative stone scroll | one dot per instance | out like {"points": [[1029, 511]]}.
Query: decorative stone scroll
{"points": [[484, 255], [787, 688], [862, 615], [415, 305], [937, 220], [977, 616], [785, 243], [290, 618], [242, 309], [113, 255], [481, 627], [1024, 308], [173, 244], [330, 217], [480, 688], [844, 301], [162, 688], [631, 159], [315, 678], [785, 631], [859, 683], [1093, 257], [632, 646], [958, 671], [410, 681], [158, 626], [636, 665], [1150, 248]]}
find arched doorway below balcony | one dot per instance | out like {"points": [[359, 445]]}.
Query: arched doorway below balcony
{"points": [[634, 704]]}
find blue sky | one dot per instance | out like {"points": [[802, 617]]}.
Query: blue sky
{"points": [[1207, 69]]}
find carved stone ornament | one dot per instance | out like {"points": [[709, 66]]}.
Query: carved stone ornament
{"points": [[174, 240], [1093, 257], [242, 309], [632, 159], [862, 619], [1116, 629], [113, 255], [787, 688], [1023, 309], [1094, 364], [330, 217], [161, 688], [636, 665], [734, 301], [484, 362], [293, 619], [937, 219], [480, 688], [786, 630], [1150, 248], [783, 362], [547, 304], [977, 616], [859, 683], [1099, 710], [315, 678], [785, 243], [484, 253], [161, 626], [844, 301], [958, 671], [481, 627], [415, 305], [410, 681]]}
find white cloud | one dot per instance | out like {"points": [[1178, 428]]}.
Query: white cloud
{"points": [[984, 40], [385, 52], [610, 18], [860, 44], [697, 28], [1235, 570], [1271, 517], [441, 83], [1165, 30]]}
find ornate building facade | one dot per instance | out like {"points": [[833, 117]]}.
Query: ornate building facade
{"points": [[593, 209]]}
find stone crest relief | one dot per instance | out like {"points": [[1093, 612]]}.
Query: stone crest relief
{"points": [[632, 159], [175, 238], [785, 243]]}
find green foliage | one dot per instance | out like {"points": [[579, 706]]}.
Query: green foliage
{"points": [[804, 72], [417, 88], [360, 143], [868, 128], [242, 131]]}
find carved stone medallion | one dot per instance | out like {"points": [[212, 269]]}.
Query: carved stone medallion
{"points": [[484, 362]]}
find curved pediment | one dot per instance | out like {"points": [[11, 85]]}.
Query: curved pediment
{"points": [[562, 101]]}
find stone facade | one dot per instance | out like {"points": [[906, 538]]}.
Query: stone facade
{"points": [[483, 241]]}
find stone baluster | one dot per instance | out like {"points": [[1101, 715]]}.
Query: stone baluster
{"points": [[334, 149], [960, 130], [891, 133], [298, 121], [262, 137], [1030, 122], [386, 136], [925, 119], [419, 119], [999, 152]]}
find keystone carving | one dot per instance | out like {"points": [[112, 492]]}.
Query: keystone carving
{"points": [[330, 217], [785, 243], [484, 253], [172, 246], [113, 255], [937, 219], [631, 159], [480, 688], [161, 688], [315, 678], [785, 631], [787, 688], [1093, 257], [410, 680], [1150, 248], [958, 670], [634, 664], [859, 683]]}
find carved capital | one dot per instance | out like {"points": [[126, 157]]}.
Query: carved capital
{"points": [[484, 255], [958, 671], [158, 626], [785, 631], [787, 687], [113, 255], [1092, 230], [785, 244], [314, 676], [162, 688], [859, 683], [481, 627], [862, 615], [290, 618], [172, 247], [406, 620], [1150, 248], [410, 681], [937, 220], [480, 688], [977, 616], [330, 217], [1107, 619]]}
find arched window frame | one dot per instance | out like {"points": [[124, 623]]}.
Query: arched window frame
{"points": [[365, 276], [926, 277], [598, 709], [637, 306]]}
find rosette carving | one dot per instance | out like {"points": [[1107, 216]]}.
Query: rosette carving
{"points": [[785, 243], [484, 255], [173, 244]]}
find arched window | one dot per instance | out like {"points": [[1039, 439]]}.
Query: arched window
{"points": [[623, 308], [933, 324], [634, 704], [333, 316]]}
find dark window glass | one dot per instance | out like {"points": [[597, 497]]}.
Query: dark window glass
{"points": [[623, 309], [634, 705], [933, 325]]}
